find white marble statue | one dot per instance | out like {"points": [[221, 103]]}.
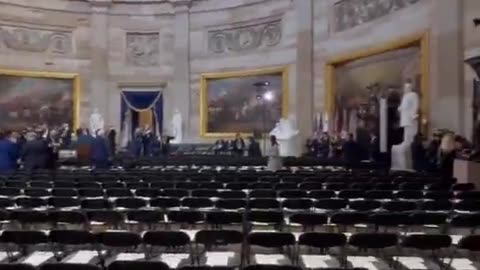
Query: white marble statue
{"points": [[408, 109], [96, 122], [177, 131], [287, 137]]}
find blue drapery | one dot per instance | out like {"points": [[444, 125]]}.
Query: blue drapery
{"points": [[134, 102]]}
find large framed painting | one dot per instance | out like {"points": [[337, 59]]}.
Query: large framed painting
{"points": [[355, 83], [233, 102], [30, 99]]}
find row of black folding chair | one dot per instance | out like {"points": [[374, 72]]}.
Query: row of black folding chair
{"points": [[118, 189], [286, 242], [216, 218], [179, 198]]}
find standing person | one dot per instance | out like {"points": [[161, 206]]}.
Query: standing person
{"points": [[351, 152], [83, 146], [147, 140], [166, 145], [254, 148], [35, 152], [238, 145], [419, 154], [54, 143], [374, 148], [112, 139], [100, 152], [8, 152], [136, 145], [324, 146], [446, 156], [432, 152], [274, 159]]}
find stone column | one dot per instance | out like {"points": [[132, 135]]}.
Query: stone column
{"points": [[180, 87], [447, 93], [99, 70], [304, 89]]}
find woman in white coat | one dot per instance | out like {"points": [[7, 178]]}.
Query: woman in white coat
{"points": [[274, 159]]}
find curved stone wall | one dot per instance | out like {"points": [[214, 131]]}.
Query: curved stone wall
{"points": [[168, 44]]}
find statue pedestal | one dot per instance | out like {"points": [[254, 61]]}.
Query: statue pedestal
{"points": [[289, 147], [402, 157], [466, 171]]}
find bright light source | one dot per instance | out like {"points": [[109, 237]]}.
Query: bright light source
{"points": [[268, 96]]}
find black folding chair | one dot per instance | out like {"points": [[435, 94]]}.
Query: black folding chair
{"points": [[364, 205], [218, 219], [309, 221], [271, 240], [149, 218], [61, 219], [265, 218], [262, 193], [110, 218], [137, 265], [36, 192], [24, 242], [330, 204], [264, 203], [66, 243], [116, 243], [297, 204], [130, 203], [379, 242], [157, 243], [321, 194], [211, 239], [231, 204], [19, 266], [321, 243]]}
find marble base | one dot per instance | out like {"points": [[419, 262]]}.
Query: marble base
{"points": [[290, 147], [401, 158]]}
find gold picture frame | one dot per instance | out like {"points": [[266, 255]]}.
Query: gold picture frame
{"points": [[421, 40], [204, 132], [75, 77]]}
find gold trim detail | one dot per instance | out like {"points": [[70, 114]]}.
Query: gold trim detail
{"points": [[233, 74], [75, 77], [421, 40]]}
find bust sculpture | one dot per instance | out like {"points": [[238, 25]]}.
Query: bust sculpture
{"points": [[96, 121], [286, 134], [408, 109], [177, 131]]}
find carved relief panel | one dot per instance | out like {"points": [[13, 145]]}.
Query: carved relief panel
{"points": [[36, 40], [142, 49], [350, 13], [246, 37]]}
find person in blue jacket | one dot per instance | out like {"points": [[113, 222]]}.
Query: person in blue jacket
{"points": [[9, 153], [100, 151]]}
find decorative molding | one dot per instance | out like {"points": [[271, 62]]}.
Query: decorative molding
{"points": [[350, 13], [246, 37], [143, 49], [36, 40]]}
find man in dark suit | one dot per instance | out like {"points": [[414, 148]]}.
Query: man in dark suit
{"points": [[8, 152], [374, 148], [351, 152], [112, 137], [100, 152], [254, 148], [34, 152]]}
